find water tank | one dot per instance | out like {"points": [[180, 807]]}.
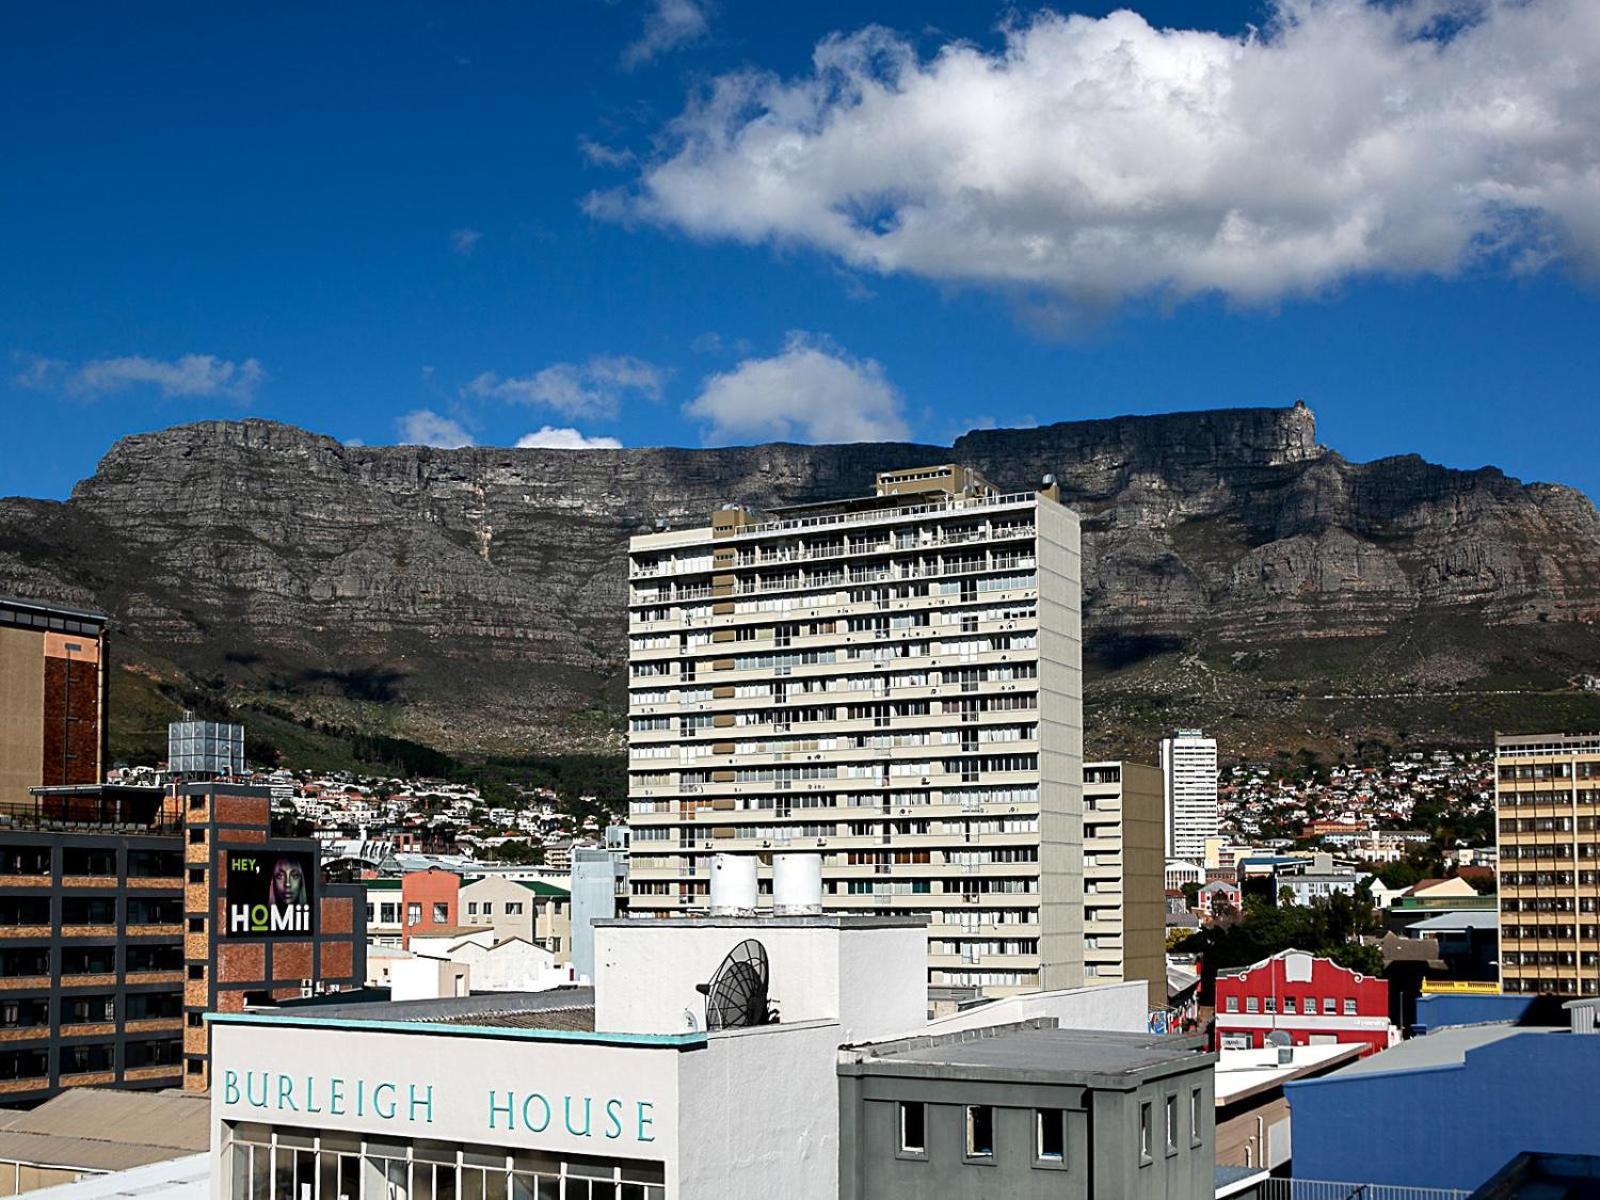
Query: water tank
{"points": [[733, 885], [796, 885]]}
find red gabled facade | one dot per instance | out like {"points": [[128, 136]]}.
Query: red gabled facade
{"points": [[1312, 1000]]}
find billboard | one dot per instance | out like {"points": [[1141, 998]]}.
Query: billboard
{"points": [[270, 892]]}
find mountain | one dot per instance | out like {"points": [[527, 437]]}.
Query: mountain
{"points": [[1238, 575]]}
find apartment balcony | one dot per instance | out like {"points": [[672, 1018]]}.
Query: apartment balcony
{"points": [[20, 932], [12, 1035], [23, 983], [21, 1087], [24, 882]]}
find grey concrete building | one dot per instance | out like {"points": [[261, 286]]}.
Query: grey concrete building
{"points": [[1124, 892], [1027, 1110]]}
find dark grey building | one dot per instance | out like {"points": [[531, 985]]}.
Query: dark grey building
{"points": [[1027, 1110]]}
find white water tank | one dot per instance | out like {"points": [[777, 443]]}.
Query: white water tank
{"points": [[796, 885], [733, 885]]}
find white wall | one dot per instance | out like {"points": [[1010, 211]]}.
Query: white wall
{"points": [[871, 978], [760, 1114], [1115, 1006], [428, 979]]}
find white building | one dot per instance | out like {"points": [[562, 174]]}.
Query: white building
{"points": [[893, 681], [1189, 785], [622, 1092]]}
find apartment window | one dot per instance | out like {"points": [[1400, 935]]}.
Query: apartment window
{"points": [[441, 914], [196, 1066], [1288, 1004], [913, 1128], [1252, 1004], [513, 908], [1272, 1004], [1231, 1004], [1196, 1115], [1349, 1008], [472, 908], [197, 924], [1330, 1005], [197, 971], [1172, 1124], [196, 836], [413, 914], [980, 1131], [1144, 1133], [197, 874], [1051, 1136], [195, 1020], [1311, 1006]]}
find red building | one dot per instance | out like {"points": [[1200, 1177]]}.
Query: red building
{"points": [[429, 899], [1313, 1000]]}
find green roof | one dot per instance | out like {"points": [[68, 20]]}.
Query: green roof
{"points": [[382, 885], [542, 888]]}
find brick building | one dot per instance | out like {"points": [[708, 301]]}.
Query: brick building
{"points": [[429, 900], [52, 698], [1312, 1001]]}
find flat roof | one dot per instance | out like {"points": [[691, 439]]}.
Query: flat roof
{"points": [[1033, 1051], [1242, 1073], [1446, 1048], [1455, 922], [187, 1178], [46, 606], [764, 920], [103, 1129]]}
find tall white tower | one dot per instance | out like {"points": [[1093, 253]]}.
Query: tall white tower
{"points": [[1189, 784]]}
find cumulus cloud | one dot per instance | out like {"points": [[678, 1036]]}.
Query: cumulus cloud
{"points": [[591, 389], [465, 241], [812, 391], [668, 25], [1097, 159], [548, 437], [202, 375], [424, 427]]}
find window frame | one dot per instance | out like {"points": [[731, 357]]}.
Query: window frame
{"points": [[1197, 1097], [1173, 1131], [903, 1149], [970, 1152], [1146, 1119], [1041, 1160]]}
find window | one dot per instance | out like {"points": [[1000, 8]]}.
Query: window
{"points": [[1330, 1005], [413, 914], [1311, 1006], [980, 1131], [1288, 1004], [1232, 1004], [441, 913], [1272, 1004], [472, 908], [1051, 1145], [913, 1125], [1252, 1004], [1172, 1124], [1349, 1008], [1144, 1133], [197, 971], [513, 908], [197, 874], [1196, 1113]]}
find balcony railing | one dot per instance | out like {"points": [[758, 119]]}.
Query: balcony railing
{"points": [[1322, 1189]]}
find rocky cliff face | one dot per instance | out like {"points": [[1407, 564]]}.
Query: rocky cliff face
{"points": [[474, 598]]}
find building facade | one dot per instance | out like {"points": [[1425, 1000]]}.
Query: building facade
{"points": [[120, 928], [1298, 999], [1547, 809], [1028, 1110], [53, 680], [1189, 783], [894, 681], [530, 909], [1124, 915]]}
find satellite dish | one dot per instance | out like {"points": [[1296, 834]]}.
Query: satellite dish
{"points": [[736, 997], [1279, 1039]]}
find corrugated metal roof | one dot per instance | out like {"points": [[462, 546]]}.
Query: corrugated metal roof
{"points": [[187, 1178], [99, 1129]]}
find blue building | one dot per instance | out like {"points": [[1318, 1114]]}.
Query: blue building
{"points": [[1449, 1110]]}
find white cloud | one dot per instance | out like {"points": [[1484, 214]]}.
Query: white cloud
{"points": [[465, 241], [1098, 159], [591, 389], [600, 155], [202, 375], [668, 25], [812, 391], [548, 437], [424, 427]]}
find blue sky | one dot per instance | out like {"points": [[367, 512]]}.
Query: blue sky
{"points": [[663, 223]]}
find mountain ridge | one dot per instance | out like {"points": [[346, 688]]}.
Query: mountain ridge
{"points": [[1235, 570]]}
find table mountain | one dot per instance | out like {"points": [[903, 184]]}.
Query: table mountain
{"points": [[1238, 574]]}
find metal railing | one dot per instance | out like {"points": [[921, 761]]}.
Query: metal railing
{"points": [[1322, 1189]]}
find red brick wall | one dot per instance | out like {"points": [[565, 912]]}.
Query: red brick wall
{"points": [[243, 810], [241, 962], [338, 962], [425, 889], [81, 735], [291, 960], [338, 914]]}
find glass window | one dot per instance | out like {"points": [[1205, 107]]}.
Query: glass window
{"points": [[1052, 1136], [1272, 1004], [413, 914], [441, 914], [1232, 1004], [1144, 1131], [1311, 1006], [980, 1131], [1172, 1122], [1252, 1004], [1288, 1004], [1196, 1115], [913, 1138], [1349, 1008]]}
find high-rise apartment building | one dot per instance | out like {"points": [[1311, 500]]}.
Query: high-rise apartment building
{"points": [[52, 698], [1189, 782], [1124, 909], [1547, 805], [892, 682]]}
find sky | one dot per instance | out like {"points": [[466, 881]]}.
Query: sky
{"points": [[709, 222]]}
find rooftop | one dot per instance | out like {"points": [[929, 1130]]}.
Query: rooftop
{"points": [[100, 1129], [187, 1178], [1036, 1051], [1243, 1073], [1446, 1048]]}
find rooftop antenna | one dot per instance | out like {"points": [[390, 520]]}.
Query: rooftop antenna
{"points": [[736, 997]]}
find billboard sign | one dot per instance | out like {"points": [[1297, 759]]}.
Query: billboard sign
{"points": [[269, 892]]}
